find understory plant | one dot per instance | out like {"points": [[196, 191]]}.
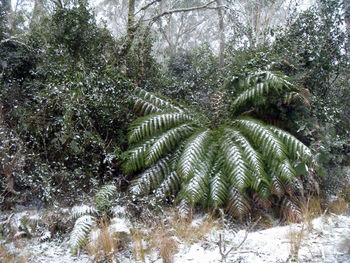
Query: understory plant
{"points": [[237, 162], [88, 217]]}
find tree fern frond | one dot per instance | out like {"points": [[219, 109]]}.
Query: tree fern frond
{"points": [[262, 137], [103, 196], [195, 149], [146, 103], [169, 186], [154, 124], [296, 148], [80, 232], [185, 208], [135, 158], [81, 210], [253, 158], [260, 84], [238, 203], [218, 187], [167, 141], [150, 178], [284, 169], [195, 189], [277, 186], [234, 164]]}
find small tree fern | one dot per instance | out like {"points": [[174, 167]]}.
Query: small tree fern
{"points": [[87, 216], [178, 151]]}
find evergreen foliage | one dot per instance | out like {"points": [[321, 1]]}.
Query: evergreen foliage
{"points": [[179, 151]]}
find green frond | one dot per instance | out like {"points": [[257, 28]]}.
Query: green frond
{"points": [[238, 204], [135, 158], [291, 96], [150, 178], [234, 164], [167, 141], [263, 137], [194, 150], [296, 148], [195, 188], [103, 196], [154, 124], [80, 232], [169, 186], [260, 84], [253, 158], [185, 208], [81, 210], [218, 187], [146, 103], [284, 170]]}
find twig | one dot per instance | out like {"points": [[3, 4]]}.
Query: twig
{"points": [[147, 6], [221, 243], [180, 10]]}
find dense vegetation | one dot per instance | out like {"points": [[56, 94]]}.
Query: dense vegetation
{"points": [[225, 135]]}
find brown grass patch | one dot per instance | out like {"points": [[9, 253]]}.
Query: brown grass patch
{"points": [[105, 246]]}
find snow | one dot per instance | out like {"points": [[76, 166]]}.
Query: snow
{"points": [[324, 239]]}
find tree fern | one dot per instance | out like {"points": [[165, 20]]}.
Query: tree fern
{"points": [[176, 151]]}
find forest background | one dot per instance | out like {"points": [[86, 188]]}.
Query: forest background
{"points": [[69, 71]]}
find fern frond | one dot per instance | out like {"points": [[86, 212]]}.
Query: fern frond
{"points": [[154, 124], [260, 84], [103, 196], [146, 103], [261, 135], [238, 203], [284, 170], [253, 158], [277, 186], [197, 186], [296, 148], [218, 187], [81, 210], [170, 185], [195, 149], [135, 158], [150, 178], [80, 232], [167, 141], [234, 163], [185, 208]]}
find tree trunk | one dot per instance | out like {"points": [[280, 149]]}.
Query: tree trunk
{"points": [[38, 7], [347, 22], [5, 11], [221, 34]]}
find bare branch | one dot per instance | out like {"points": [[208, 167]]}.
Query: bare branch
{"points": [[147, 6], [180, 10]]}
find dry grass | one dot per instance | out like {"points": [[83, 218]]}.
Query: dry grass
{"points": [[163, 241], [164, 236], [139, 249], [338, 206], [6, 257], [295, 237], [105, 246], [311, 209], [189, 232]]}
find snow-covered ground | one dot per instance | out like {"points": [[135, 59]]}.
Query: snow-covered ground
{"points": [[324, 239]]}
